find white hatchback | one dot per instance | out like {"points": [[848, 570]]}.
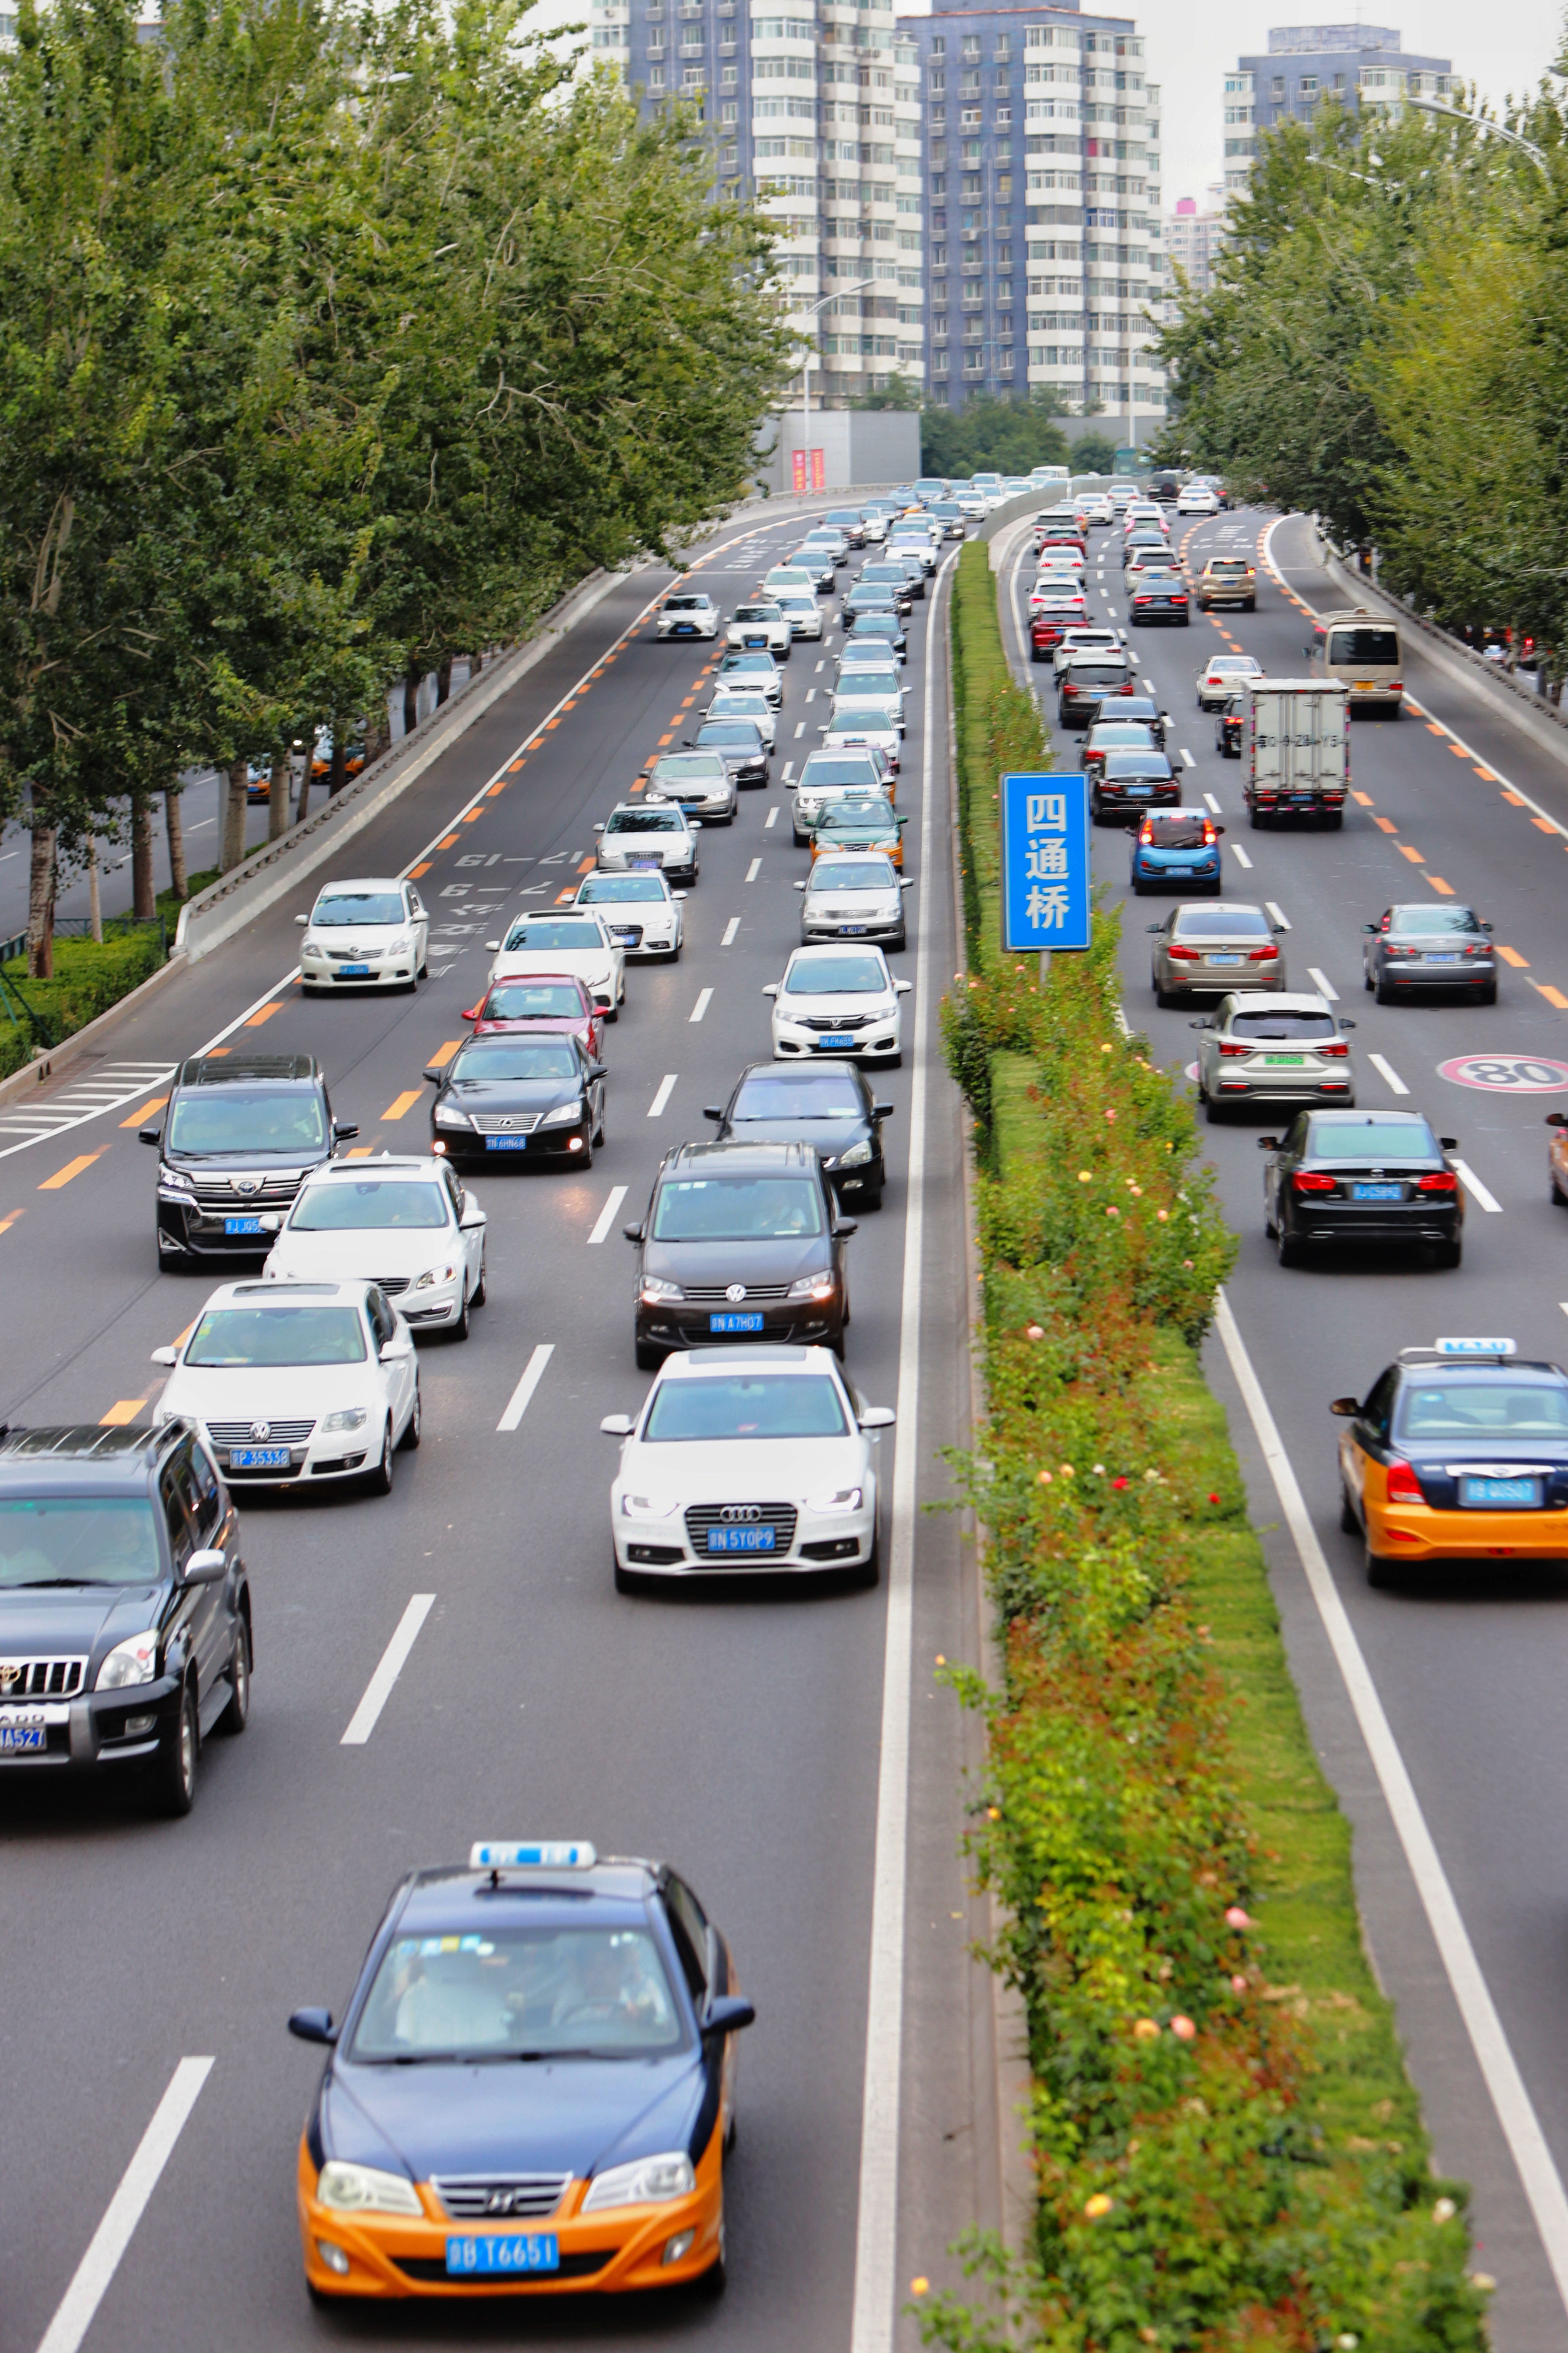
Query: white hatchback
{"points": [[755, 1458], [576, 942], [839, 1000], [294, 1383], [368, 935], [407, 1225]]}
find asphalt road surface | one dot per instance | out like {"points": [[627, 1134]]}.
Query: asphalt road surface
{"points": [[742, 1734], [1469, 1667]]}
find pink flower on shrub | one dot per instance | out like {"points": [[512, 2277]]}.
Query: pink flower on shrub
{"points": [[1235, 1918], [1035, 1331], [1183, 2029]]}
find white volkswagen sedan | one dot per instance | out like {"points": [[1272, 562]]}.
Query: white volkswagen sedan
{"points": [[369, 934], [642, 912], [409, 1226], [839, 1000], [747, 1457], [296, 1382], [577, 942]]}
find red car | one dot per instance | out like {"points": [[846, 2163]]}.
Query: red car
{"points": [[551, 1003], [1046, 631]]}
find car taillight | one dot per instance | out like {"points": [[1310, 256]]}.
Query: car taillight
{"points": [[1306, 1180], [1184, 955], [1396, 686], [1403, 1486], [1231, 1046], [1263, 956], [1335, 1046], [1442, 1181]]}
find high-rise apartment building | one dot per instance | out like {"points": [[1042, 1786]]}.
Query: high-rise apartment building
{"points": [[1358, 65], [814, 107], [1043, 196], [1193, 239]]}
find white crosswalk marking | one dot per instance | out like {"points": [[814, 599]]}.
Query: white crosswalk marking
{"points": [[109, 1087]]}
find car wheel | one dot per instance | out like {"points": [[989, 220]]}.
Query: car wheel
{"points": [[1333, 820], [869, 1572], [1287, 1248], [648, 1358], [1488, 995], [1447, 1254], [414, 1428], [379, 1480], [1366, 981], [1559, 1196], [236, 1715], [1348, 1520], [460, 1330], [1217, 1113], [480, 1292], [1383, 992], [1139, 889], [873, 1199], [627, 1580], [176, 1768], [1380, 1574], [1255, 818]]}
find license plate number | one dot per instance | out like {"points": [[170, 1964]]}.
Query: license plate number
{"points": [[749, 1322], [525, 2251], [683, 629], [1515, 1494], [1444, 959], [1139, 792], [644, 865], [242, 1225], [1377, 1192], [22, 1736], [1284, 1062], [742, 1539], [260, 1458], [835, 1041], [851, 931], [619, 932], [506, 1144], [354, 971], [1223, 959]]}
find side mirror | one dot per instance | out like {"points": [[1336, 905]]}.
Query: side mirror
{"points": [[435, 1076], [633, 1233], [712, 1111], [1153, 927], [1370, 927], [883, 1110], [1268, 1144], [1218, 831], [770, 988], [342, 1129], [877, 1417], [472, 1219], [152, 1134], [1451, 1143], [906, 883], [303, 920], [270, 1221], [617, 1425], [205, 1568], [694, 824], [1204, 1024], [678, 894], [1486, 927], [1277, 929], [1346, 1408], [902, 987], [597, 1070], [598, 829], [1347, 1025], [726, 2014], [393, 1351], [493, 946], [1553, 1119], [313, 2026], [800, 886], [165, 1357]]}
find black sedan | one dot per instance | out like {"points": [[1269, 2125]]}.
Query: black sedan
{"points": [[1358, 1176], [826, 1105], [740, 743], [1140, 710], [543, 1098], [884, 626], [1126, 782]]}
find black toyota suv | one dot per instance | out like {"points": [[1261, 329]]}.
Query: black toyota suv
{"points": [[240, 1134], [742, 1241], [124, 1605]]}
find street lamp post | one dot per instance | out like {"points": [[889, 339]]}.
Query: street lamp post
{"points": [[837, 294], [1482, 122]]}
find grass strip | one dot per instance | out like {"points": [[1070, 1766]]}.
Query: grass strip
{"points": [[89, 976]]}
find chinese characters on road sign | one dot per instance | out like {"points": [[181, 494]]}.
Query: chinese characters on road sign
{"points": [[1045, 863]]}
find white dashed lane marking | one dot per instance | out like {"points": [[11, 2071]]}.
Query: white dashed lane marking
{"points": [[1386, 1071]]}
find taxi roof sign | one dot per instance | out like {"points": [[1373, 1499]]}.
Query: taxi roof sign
{"points": [[511, 1855], [1477, 1348]]}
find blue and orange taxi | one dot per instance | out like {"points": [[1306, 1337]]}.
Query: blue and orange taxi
{"points": [[1459, 1452], [531, 2089]]}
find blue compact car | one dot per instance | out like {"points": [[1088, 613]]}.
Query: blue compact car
{"points": [[1176, 846]]}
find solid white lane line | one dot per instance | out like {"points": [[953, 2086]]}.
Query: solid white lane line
{"points": [[1241, 857], [876, 2297], [75, 2312], [1473, 1185], [1213, 805], [1281, 917], [1187, 758], [1386, 1071], [393, 1658], [517, 1404], [1500, 2070], [606, 1216], [1323, 983], [771, 817], [753, 870], [731, 928], [666, 1089], [700, 1008]]}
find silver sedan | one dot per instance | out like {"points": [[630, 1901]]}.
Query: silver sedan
{"points": [[1274, 1048], [1212, 949], [854, 895], [1430, 945]]}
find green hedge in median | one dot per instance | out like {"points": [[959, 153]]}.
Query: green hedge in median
{"points": [[1228, 2151], [89, 976]]}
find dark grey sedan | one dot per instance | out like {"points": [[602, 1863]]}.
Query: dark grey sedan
{"points": [[1430, 944]]}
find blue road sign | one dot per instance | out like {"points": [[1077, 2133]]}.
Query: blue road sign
{"points": [[1045, 863]]}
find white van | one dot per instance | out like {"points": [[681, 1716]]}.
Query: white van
{"points": [[1363, 652]]}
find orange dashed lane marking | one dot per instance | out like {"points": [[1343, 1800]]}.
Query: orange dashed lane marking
{"points": [[1486, 777], [124, 1409], [585, 866], [1435, 727], [1414, 855], [1364, 798], [402, 1104], [265, 1013], [443, 1054], [1435, 882], [514, 767], [72, 1169], [358, 1152], [446, 843], [472, 815], [1460, 752], [1512, 957], [7, 1221], [1552, 996], [1384, 825], [1543, 824], [1514, 800], [145, 1113], [416, 871]]}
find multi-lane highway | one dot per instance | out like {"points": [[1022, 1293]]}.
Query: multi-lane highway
{"points": [[788, 1751], [1467, 1670]]}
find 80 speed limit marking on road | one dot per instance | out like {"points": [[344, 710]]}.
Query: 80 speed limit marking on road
{"points": [[1515, 1074]]}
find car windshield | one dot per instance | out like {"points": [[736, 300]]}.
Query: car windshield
{"points": [[1137, 763], [1221, 923], [1490, 1409], [343, 909], [555, 932], [1125, 733], [836, 976], [744, 706], [1224, 664], [872, 684], [1182, 830], [746, 1405], [731, 730], [489, 1059], [1377, 649], [1283, 1025], [858, 817], [789, 605], [78, 1540], [853, 874], [538, 1000], [1372, 1139], [1432, 921], [749, 665], [879, 625], [736, 1208], [230, 1119], [758, 613], [686, 604], [515, 1989], [275, 1336], [337, 1207], [1081, 674], [819, 771], [618, 887], [791, 1094], [1228, 564], [684, 768], [648, 820]]}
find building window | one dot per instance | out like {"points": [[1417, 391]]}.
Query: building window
{"points": [[939, 47], [1004, 188], [1277, 87], [656, 76], [1002, 49], [729, 113], [1003, 257], [728, 76]]}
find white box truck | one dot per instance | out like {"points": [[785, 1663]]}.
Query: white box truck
{"points": [[1295, 749]]}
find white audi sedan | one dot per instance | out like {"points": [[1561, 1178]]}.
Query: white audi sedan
{"points": [[294, 1383], [409, 1225], [577, 942], [644, 915], [757, 1459], [652, 836], [369, 934], [839, 1000], [760, 628]]}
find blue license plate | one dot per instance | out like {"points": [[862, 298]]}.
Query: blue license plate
{"points": [[511, 2252], [1139, 792], [1223, 959], [242, 1225], [353, 971], [851, 931], [260, 1458], [1377, 1192], [742, 1539], [747, 1322], [684, 629], [619, 932], [1515, 1494], [644, 865], [1444, 959], [756, 645], [835, 1041], [506, 1144], [30, 1736]]}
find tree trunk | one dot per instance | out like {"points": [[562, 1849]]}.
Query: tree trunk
{"points": [[444, 681], [94, 896], [410, 699], [377, 734], [174, 827], [234, 816], [144, 897], [41, 894], [336, 774], [475, 664], [278, 797]]}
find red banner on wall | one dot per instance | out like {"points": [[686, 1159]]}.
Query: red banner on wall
{"points": [[819, 469], [797, 465]]}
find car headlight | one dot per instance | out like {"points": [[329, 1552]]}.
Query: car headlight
{"points": [[815, 1286], [312, 948], [563, 1115], [134, 1661], [842, 1499], [858, 1154], [176, 1177], [655, 1290], [365, 2190], [448, 1115], [436, 1274], [647, 1508], [651, 2181], [350, 1417]]}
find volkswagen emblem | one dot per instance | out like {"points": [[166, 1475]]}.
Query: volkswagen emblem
{"points": [[732, 1514], [247, 1184], [734, 1290], [262, 1430], [10, 1676]]}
